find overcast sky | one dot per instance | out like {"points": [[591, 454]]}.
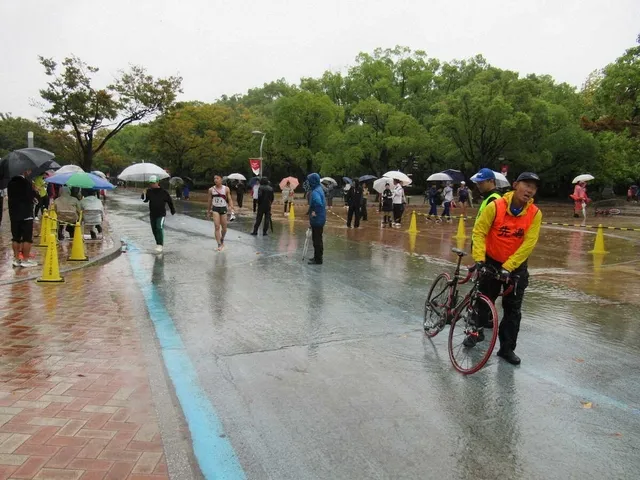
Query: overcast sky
{"points": [[228, 46]]}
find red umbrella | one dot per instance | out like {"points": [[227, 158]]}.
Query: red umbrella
{"points": [[293, 182]]}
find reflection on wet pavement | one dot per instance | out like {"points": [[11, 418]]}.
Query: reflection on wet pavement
{"points": [[323, 372]]}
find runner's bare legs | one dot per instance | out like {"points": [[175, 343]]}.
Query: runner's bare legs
{"points": [[223, 231], [216, 229]]}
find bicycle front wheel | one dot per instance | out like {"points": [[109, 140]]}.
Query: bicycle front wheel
{"points": [[470, 346], [437, 304]]}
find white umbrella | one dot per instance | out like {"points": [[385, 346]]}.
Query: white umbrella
{"points": [[175, 181], [379, 184], [585, 177], [328, 180], [440, 177], [69, 169], [100, 174], [140, 172], [236, 176], [501, 180], [397, 175]]}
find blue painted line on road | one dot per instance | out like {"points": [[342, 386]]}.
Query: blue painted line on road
{"points": [[212, 449]]}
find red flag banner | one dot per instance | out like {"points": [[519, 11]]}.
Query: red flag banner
{"points": [[256, 165]]}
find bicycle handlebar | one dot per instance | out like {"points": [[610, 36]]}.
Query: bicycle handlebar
{"points": [[491, 271]]}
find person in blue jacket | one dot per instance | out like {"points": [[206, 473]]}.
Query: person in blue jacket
{"points": [[317, 217]]}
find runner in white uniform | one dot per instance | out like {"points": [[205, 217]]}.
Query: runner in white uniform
{"points": [[219, 202]]}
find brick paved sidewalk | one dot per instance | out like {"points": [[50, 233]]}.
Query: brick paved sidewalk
{"points": [[93, 249], [75, 401]]}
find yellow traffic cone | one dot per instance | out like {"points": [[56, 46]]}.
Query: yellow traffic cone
{"points": [[44, 229], [292, 212], [53, 223], [598, 247], [461, 233], [77, 247], [413, 226], [460, 243], [51, 268], [412, 242], [598, 259]]}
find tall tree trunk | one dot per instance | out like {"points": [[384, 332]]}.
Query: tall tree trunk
{"points": [[87, 157]]}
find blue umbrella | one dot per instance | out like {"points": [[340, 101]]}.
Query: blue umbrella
{"points": [[80, 180], [367, 178], [347, 180], [253, 181]]}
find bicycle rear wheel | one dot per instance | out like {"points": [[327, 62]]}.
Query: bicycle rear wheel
{"points": [[469, 360], [436, 305]]}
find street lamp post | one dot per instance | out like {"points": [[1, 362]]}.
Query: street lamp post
{"points": [[258, 132]]}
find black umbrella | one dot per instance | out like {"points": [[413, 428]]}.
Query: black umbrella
{"points": [[19, 161], [367, 178], [456, 175]]}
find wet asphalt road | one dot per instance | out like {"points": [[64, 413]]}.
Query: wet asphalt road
{"points": [[321, 372]]}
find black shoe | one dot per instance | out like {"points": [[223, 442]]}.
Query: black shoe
{"points": [[265, 234], [575, 215], [473, 339], [255, 234], [93, 235], [313, 261], [510, 356]]}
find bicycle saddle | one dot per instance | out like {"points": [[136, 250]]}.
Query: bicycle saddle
{"points": [[459, 252]]}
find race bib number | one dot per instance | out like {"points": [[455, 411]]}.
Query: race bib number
{"points": [[219, 202]]}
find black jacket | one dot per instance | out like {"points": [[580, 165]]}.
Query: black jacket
{"points": [[21, 195], [156, 198], [265, 197], [354, 196]]}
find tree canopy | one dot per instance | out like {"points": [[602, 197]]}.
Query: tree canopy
{"points": [[392, 109]]}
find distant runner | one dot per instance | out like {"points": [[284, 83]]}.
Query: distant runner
{"points": [[219, 202]]}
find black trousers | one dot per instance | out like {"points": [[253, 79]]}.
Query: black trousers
{"points": [[1, 207], [398, 208], [240, 196], [318, 246], [255, 205], [267, 218], [511, 304], [43, 203], [353, 211], [363, 211]]}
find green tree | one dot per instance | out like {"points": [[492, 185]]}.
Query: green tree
{"points": [[302, 126], [71, 101]]}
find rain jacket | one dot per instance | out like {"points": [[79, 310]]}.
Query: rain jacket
{"points": [[485, 222], [317, 202], [66, 204]]}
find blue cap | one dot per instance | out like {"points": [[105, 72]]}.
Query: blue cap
{"points": [[483, 175]]}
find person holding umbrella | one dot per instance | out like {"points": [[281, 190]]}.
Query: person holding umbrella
{"points": [[22, 198], [398, 203], [287, 193], [580, 200], [387, 205], [157, 197], [354, 201], [240, 189], [365, 197], [219, 203]]}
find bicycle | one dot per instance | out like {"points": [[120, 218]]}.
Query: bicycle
{"points": [[442, 307]]}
